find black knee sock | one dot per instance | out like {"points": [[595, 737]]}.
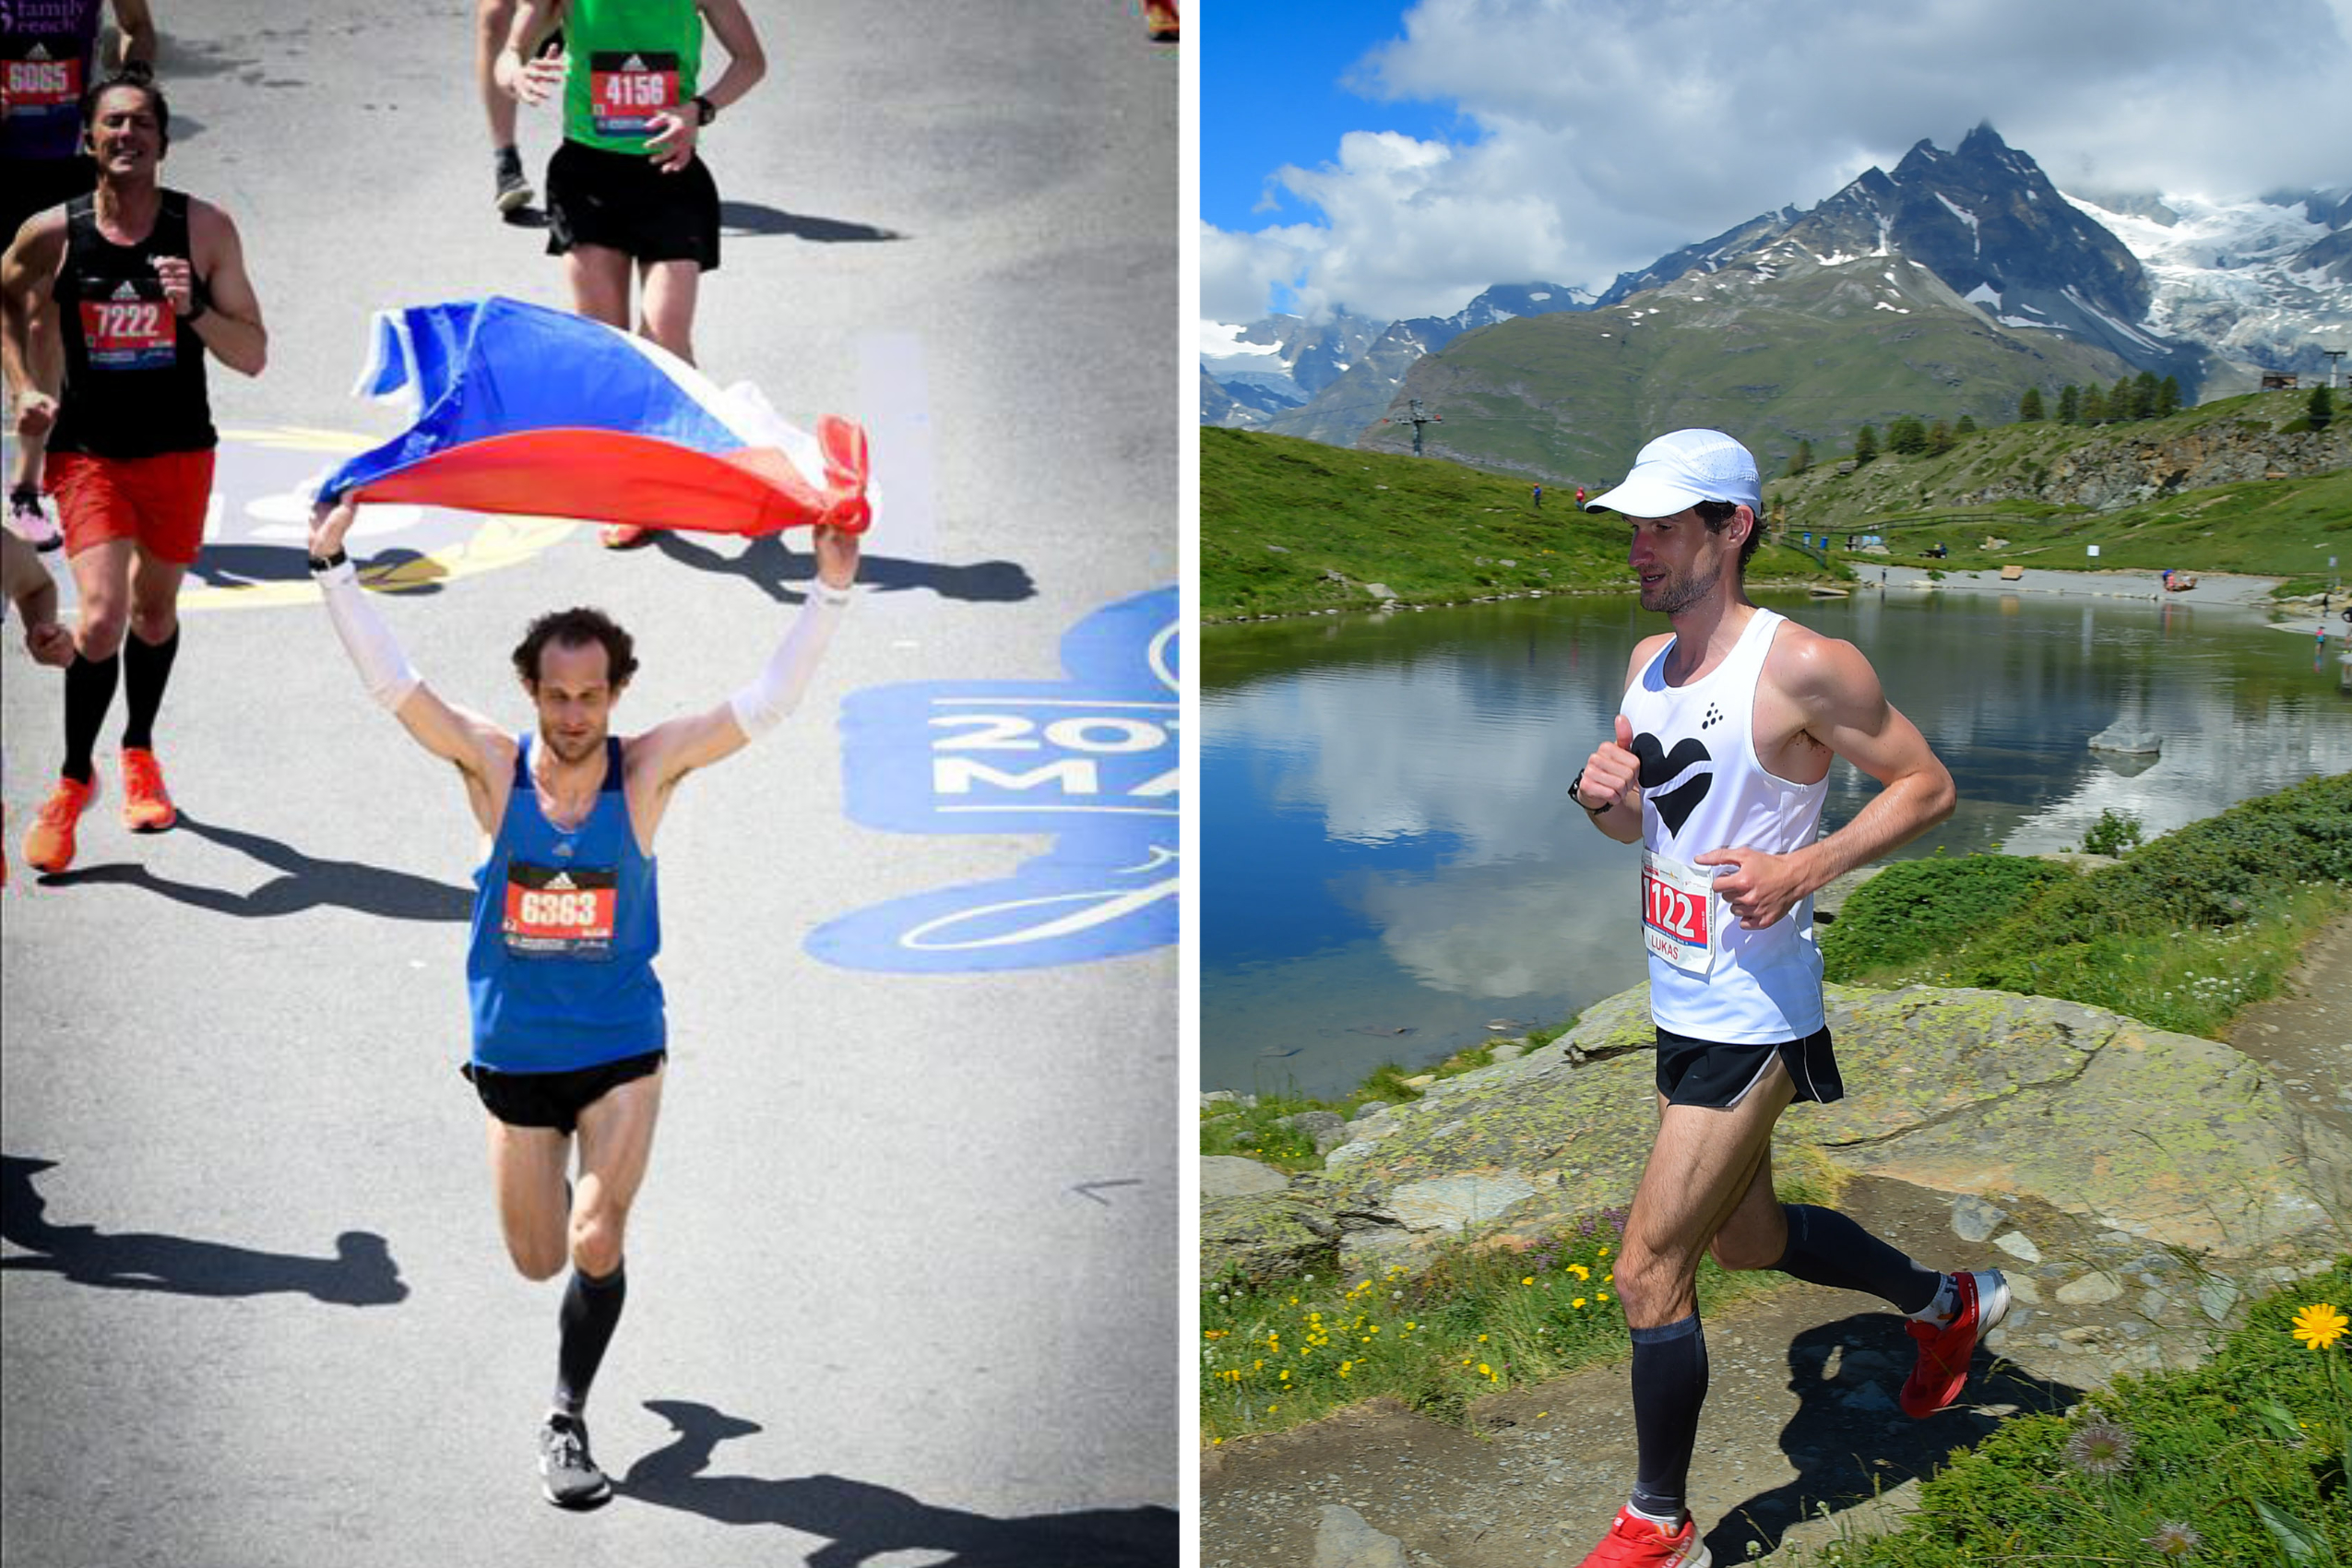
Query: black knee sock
{"points": [[1670, 1384], [89, 692], [591, 1308], [1826, 1248], [146, 670]]}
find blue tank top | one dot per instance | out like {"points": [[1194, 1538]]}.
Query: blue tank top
{"points": [[565, 927]]}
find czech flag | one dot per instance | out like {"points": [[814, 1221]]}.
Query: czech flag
{"points": [[520, 409]]}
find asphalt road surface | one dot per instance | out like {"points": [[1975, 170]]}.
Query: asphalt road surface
{"points": [[902, 1273]]}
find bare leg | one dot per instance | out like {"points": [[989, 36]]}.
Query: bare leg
{"points": [[666, 300], [616, 1140], [492, 19], [1702, 1173], [155, 597], [526, 1167], [103, 584], [599, 276]]}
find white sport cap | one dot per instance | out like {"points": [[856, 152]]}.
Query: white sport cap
{"points": [[1680, 469]]}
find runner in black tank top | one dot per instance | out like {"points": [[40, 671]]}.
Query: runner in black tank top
{"points": [[48, 49], [129, 289]]}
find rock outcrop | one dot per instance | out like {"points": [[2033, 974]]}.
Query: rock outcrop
{"points": [[2177, 1141]]}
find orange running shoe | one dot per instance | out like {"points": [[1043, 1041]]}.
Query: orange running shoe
{"points": [[623, 536], [49, 847], [146, 808]]}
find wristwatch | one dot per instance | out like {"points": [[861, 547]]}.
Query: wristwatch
{"points": [[704, 110], [1590, 811]]}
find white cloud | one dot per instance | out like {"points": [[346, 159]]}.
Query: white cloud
{"points": [[1608, 133]]}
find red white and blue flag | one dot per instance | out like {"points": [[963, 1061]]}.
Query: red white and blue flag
{"points": [[523, 410]]}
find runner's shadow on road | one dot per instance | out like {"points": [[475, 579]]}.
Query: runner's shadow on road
{"points": [[749, 217], [248, 565], [782, 573], [305, 883], [865, 1520], [1848, 1442], [360, 1273]]}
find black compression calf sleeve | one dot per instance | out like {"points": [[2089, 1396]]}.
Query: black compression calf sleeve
{"points": [[591, 1308], [146, 670], [1670, 1384], [1826, 1248], [89, 692]]}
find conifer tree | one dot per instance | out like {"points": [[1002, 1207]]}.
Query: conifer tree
{"points": [[2321, 411], [2122, 403], [2029, 407], [1967, 425], [1865, 444], [1803, 459], [2070, 404], [2144, 392], [1907, 436], [2168, 396], [2094, 406], [1939, 438]]}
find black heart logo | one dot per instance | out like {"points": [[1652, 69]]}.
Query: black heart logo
{"points": [[1659, 765]]}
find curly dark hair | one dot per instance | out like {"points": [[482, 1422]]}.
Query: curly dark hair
{"points": [[140, 80], [1717, 515], [577, 628]]}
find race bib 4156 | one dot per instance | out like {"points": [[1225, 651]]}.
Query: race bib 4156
{"points": [[626, 90]]}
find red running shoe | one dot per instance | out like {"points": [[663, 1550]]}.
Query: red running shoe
{"points": [[48, 846], [1635, 1542], [147, 805], [1942, 1367]]}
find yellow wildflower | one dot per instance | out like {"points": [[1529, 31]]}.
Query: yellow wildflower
{"points": [[2320, 1325], [1577, 1302], [1529, 1280]]}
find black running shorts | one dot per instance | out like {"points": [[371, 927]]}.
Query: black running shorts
{"points": [[1698, 1071], [621, 201], [555, 1100]]}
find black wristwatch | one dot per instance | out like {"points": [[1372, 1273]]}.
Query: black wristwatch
{"points": [[704, 110], [1590, 811], [197, 305], [331, 563]]}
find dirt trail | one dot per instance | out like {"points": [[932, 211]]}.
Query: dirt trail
{"points": [[1801, 1407]]}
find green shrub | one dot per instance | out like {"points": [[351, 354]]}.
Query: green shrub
{"points": [[2115, 833], [1915, 907]]}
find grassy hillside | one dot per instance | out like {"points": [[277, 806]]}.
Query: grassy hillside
{"points": [[2281, 527], [1769, 360], [1279, 515]]}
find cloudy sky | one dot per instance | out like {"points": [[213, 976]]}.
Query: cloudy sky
{"points": [[1396, 158]]}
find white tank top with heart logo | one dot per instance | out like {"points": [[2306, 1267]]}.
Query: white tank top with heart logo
{"points": [[1702, 789]]}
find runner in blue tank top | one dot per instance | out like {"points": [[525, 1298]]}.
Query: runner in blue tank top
{"points": [[1723, 744], [568, 1035]]}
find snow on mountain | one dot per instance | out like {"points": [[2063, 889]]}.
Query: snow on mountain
{"points": [[2260, 282]]}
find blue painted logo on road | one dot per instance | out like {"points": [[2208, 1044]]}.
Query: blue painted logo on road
{"points": [[1091, 759]]}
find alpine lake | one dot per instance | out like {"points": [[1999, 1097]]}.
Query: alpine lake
{"points": [[1391, 869]]}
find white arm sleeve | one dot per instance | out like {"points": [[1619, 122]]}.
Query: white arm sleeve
{"points": [[761, 706], [367, 639]]}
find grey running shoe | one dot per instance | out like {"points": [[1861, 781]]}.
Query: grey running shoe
{"points": [[567, 1474], [28, 522], [514, 190]]}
